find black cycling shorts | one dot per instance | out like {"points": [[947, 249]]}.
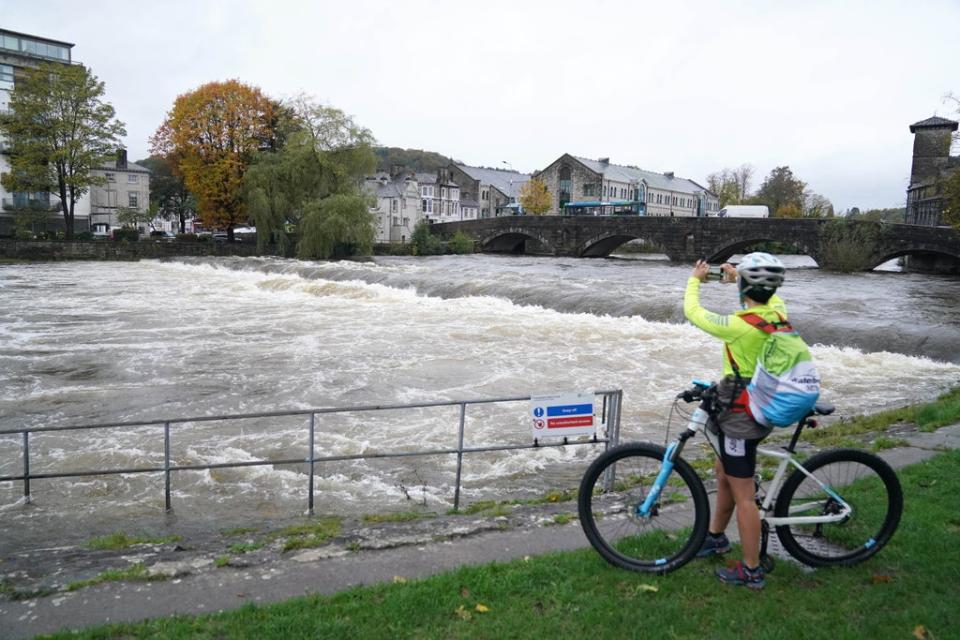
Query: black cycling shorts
{"points": [[739, 456]]}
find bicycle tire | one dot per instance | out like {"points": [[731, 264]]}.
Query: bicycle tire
{"points": [[866, 483], [659, 543]]}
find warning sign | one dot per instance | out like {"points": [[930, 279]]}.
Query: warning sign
{"points": [[562, 414]]}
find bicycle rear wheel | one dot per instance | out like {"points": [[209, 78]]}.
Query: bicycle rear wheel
{"points": [[863, 481], [618, 482]]}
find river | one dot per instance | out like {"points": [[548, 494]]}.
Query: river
{"points": [[86, 342]]}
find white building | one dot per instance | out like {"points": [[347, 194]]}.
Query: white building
{"points": [[19, 52], [439, 196], [126, 186], [396, 204]]}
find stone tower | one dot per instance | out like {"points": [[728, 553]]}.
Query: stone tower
{"points": [[931, 162]]}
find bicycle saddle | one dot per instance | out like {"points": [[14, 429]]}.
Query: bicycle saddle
{"points": [[824, 408]]}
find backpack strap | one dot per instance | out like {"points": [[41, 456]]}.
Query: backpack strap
{"points": [[757, 321]]}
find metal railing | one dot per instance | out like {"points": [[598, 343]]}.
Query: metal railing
{"points": [[610, 421]]}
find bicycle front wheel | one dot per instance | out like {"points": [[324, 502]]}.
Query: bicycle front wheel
{"points": [[611, 491], [863, 481]]}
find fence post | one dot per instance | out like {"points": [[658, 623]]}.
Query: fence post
{"points": [[313, 417], [613, 437], [26, 467], [166, 465], [456, 494]]}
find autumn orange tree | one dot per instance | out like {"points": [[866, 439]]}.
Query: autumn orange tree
{"points": [[534, 197], [213, 133]]}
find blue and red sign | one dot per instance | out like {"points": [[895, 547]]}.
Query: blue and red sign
{"points": [[565, 414]]}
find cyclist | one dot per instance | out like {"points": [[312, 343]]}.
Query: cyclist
{"points": [[759, 275]]}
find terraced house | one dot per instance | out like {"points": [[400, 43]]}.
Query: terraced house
{"points": [[581, 186]]}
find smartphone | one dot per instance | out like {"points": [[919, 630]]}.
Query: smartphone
{"points": [[715, 273]]}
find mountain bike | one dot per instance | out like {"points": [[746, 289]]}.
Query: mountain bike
{"points": [[644, 508]]}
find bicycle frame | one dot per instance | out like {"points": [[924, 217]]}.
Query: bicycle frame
{"points": [[698, 424]]}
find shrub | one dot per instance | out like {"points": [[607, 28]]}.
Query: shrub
{"points": [[187, 237], [126, 234], [847, 245], [460, 243], [83, 236], [23, 234], [425, 243], [205, 238]]}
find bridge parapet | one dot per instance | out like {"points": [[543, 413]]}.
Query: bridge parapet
{"points": [[838, 244]]}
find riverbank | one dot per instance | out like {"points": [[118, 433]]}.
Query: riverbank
{"points": [[128, 577], [20, 251]]}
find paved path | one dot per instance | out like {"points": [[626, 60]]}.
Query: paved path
{"points": [[227, 588]]}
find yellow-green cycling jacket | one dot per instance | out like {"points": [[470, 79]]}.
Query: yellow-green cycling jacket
{"points": [[743, 339]]}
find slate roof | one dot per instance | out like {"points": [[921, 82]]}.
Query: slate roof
{"points": [[508, 182], [384, 187], [620, 173], [131, 167], [935, 122]]}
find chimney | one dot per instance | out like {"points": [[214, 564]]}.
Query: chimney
{"points": [[396, 170], [122, 159], [668, 174], [604, 160]]}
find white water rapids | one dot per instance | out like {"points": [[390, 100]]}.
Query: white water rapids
{"points": [[91, 342]]}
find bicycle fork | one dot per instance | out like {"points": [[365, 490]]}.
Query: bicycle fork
{"points": [[647, 508]]}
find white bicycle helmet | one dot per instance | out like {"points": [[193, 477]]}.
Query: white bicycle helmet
{"points": [[760, 275]]}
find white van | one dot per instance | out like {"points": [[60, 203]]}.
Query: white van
{"points": [[744, 211]]}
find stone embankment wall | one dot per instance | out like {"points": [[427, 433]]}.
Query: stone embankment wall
{"points": [[38, 250]]}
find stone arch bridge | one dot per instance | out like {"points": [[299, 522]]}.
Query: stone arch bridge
{"points": [[832, 243]]}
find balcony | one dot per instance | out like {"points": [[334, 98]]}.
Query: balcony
{"points": [[17, 204]]}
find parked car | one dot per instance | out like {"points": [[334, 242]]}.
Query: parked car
{"points": [[220, 237], [162, 236]]}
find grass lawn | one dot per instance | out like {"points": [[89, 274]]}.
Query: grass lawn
{"points": [[910, 590]]}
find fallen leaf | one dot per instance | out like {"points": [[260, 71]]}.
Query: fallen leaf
{"points": [[464, 592], [647, 587], [920, 633], [399, 579], [482, 608], [881, 579], [463, 613]]}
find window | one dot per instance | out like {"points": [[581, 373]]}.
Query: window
{"points": [[393, 204], [424, 204], [132, 178], [10, 42], [590, 189], [111, 177], [6, 73], [133, 200]]}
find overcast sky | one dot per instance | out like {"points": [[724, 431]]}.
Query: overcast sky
{"points": [[828, 88]]}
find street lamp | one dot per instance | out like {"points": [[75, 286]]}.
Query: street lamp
{"points": [[508, 164]]}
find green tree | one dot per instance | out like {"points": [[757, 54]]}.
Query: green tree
{"points": [[951, 201], [129, 217], [816, 206], [58, 129], [534, 197], [325, 154], [782, 189], [424, 243], [732, 186], [168, 191], [339, 225]]}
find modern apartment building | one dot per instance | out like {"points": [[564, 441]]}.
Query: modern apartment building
{"points": [[581, 186], [18, 53], [126, 186]]}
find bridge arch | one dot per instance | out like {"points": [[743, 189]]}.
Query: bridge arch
{"points": [[515, 240], [603, 244], [732, 246], [939, 260]]}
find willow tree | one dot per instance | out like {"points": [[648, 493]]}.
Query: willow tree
{"points": [[325, 154], [214, 133], [58, 129]]}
